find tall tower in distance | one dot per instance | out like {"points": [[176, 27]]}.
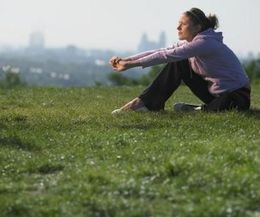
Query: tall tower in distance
{"points": [[146, 44], [36, 41]]}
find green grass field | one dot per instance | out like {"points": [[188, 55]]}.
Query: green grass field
{"points": [[63, 154]]}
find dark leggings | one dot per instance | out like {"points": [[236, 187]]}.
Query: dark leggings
{"points": [[170, 78]]}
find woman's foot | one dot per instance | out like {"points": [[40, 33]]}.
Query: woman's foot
{"points": [[134, 105], [181, 106]]}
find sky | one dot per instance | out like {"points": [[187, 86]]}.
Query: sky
{"points": [[119, 24]]}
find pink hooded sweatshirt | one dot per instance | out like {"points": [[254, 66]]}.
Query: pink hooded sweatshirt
{"points": [[208, 57]]}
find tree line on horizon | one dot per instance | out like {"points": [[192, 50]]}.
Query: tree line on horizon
{"points": [[12, 79]]}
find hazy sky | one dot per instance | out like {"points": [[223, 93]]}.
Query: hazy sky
{"points": [[119, 24]]}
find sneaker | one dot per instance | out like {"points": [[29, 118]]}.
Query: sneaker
{"points": [[186, 107], [134, 105]]}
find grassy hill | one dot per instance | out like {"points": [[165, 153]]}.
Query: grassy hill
{"points": [[63, 154]]}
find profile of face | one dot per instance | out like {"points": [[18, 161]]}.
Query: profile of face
{"points": [[186, 28]]}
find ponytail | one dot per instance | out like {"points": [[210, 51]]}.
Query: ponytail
{"points": [[213, 21], [197, 16]]}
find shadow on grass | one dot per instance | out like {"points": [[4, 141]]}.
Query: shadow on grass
{"points": [[135, 126], [155, 123], [18, 210], [15, 142], [50, 168], [150, 120], [253, 113], [2, 126], [144, 126]]}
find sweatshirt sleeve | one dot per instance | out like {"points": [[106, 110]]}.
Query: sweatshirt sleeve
{"points": [[185, 51], [148, 53]]}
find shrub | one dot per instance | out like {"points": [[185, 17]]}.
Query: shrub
{"points": [[11, 78]]}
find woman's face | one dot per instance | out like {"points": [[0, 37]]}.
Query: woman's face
{"points": [[186, 29]]}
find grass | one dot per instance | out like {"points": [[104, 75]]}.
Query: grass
{"points": [[63, 154]]}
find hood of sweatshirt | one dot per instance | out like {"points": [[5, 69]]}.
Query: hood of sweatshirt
{"points": [[209, 33]]}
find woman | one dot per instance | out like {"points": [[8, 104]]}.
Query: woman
{"points": [[201, 60]]}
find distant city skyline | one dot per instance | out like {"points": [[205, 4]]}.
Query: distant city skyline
{"points": [[146, 43], [119, 26], [36, 40]]}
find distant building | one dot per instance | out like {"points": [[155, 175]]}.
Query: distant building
{"points": [[146, 44], [162, 40], [36, 41]]}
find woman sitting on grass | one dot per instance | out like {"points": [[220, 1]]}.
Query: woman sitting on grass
{"points": [[201, 60]]}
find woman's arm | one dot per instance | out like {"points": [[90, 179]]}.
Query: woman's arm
{"points": [[141, 55], [195, 48], [121, 64], [146, 53]]}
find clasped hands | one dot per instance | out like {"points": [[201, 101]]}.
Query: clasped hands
{"points": [[118, 64]]}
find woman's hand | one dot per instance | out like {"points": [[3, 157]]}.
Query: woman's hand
{"points": [[121, 65], [114, 61]]}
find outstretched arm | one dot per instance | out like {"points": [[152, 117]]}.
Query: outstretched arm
{"points": [[144, 59]]}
